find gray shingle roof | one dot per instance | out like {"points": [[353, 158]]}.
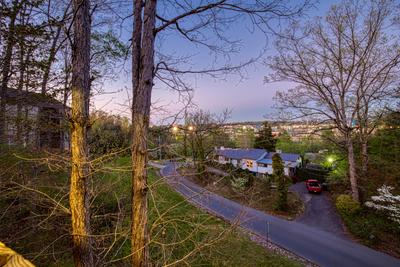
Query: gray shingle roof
{"points": [[251, 153]]}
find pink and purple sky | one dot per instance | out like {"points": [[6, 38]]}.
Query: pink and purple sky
{"points": [[249, 98]]}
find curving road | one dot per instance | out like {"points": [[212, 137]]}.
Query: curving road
{"points": [[318, 246]]}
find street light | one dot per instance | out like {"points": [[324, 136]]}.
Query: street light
{"points": [[175, 129], [330, 159], [190, 128]]}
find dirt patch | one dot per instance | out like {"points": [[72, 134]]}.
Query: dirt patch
{"points": [[259, 196]]}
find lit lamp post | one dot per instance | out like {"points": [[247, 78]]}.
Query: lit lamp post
{"points": [[190, 129], [330, 160]]}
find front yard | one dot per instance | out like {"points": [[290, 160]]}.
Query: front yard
{"points": [[259, 195], [181, 234]]}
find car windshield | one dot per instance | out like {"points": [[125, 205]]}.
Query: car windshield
{"points": [[314, 184]]}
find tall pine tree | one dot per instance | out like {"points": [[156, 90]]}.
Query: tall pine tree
{"points": [[265, 139]]}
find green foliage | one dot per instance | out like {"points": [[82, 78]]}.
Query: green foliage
{"points": [[265, 139], [384, 150], [277, 165], [107, 50], [108, 133], [308, 145], [374, 229], [346, 205], [159, 140], [282, 190], [244, 138], [307, 172], [239, 183], [282, 182], [176, 227], [339, 171]]}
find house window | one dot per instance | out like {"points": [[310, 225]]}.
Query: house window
{"points": [[262, 165], [249, 164]]}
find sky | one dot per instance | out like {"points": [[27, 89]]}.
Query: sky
{"points": [[246, 96]]}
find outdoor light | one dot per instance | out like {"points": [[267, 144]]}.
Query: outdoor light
{"points": [[175, 129], [244, 127], [330, 159], [190, 128]]}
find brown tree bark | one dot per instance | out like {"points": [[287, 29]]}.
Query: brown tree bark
{"points": [[19, 120], [142, 82], [79, 197], [6, 65], [352, 169]]}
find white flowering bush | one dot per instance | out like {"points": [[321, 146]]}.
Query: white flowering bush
{"points": [[387, 202]]}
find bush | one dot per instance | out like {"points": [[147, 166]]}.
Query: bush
{"points": [[346, 205], [239, 183], [312, 173]]}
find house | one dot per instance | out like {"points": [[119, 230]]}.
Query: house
{"points": [[36, 120], [258, 161], [290, 162], [243, 158]]}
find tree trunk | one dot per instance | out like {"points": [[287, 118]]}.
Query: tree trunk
{"points": [[352, 169], [23, 62], [142, 81], [6, 65], [79, 197], [364, 157]]}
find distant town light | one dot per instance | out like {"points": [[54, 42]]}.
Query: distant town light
{"points": [[244, 127], [190, 128], [175, 129]]}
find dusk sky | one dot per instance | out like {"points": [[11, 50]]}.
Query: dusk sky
{"points": [[248, 97]]}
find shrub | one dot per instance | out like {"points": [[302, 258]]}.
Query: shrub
{"points": [[282, 192], [346, 205], [239, 183]]}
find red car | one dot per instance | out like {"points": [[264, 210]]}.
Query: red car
{"points": [[313, 186]]}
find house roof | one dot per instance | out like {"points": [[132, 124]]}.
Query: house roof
{"points": [[284, 156], [265, 161], [14, 96], [261, 155], [251, 153]]}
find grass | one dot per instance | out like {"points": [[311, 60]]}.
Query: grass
{"points": [[259, 196], [180, 233]]}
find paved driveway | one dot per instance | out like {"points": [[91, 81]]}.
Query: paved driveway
{"points": [[319, 211], [321, 247]]}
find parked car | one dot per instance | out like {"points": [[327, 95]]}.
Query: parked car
{"points": [[313, 186]]}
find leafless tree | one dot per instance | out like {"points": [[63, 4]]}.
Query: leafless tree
{"points": [[345, 66], [203, 127], [191, 20]]}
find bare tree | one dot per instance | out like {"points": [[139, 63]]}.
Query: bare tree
{"points": [[79, 196], [12, 13], [203, 128], [190, 20], [345, 67]]}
